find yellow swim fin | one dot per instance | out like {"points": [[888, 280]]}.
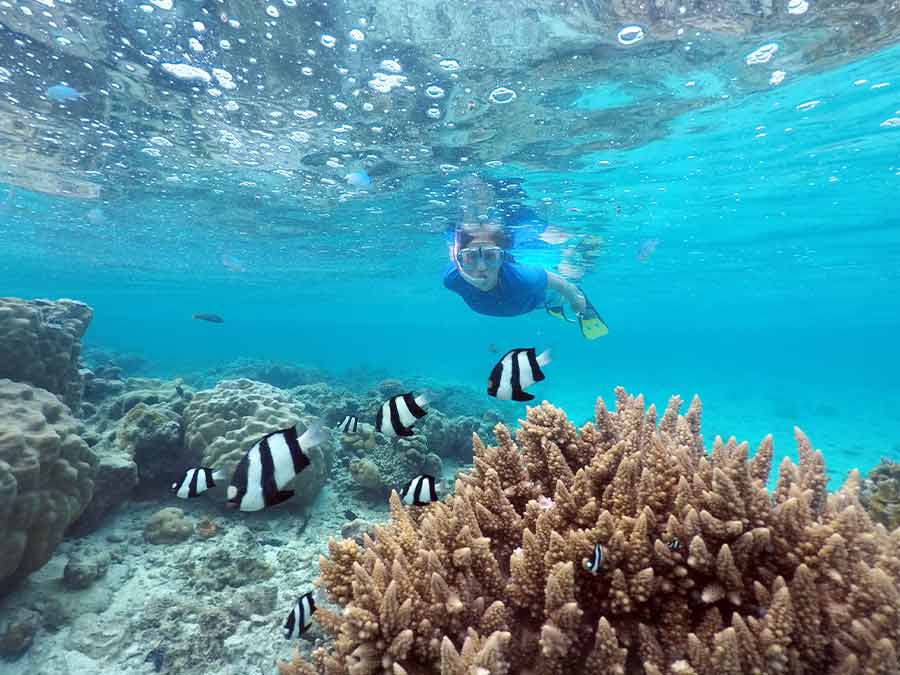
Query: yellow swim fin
{"points": [[557, 312], [591, 323]]}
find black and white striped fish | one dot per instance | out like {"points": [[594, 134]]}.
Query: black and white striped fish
{"points": [[595, 562], [300, 617], [420, 491], [266, 468], [397, 415], [196, 481], [674, 545], [349, 425], [517, 370]]}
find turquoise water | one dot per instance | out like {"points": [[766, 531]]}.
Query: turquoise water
{"points": [[772, 293], [724, 190]]}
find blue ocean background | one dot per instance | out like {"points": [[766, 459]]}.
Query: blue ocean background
{"points": [[772, 294]]}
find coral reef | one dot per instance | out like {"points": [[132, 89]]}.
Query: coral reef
{"points": [[388, 463], [152, 436], [704, 570], [135, 428], [278, 374], [168, 526], [46, 477], [880, 493], [40, 342], [113, 364], [220, 424]]}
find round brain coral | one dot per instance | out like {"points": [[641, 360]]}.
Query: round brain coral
{"points": [[46, 477], [222, 423], [704, 572]]}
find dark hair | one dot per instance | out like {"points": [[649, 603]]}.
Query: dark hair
{"points": [[501, 236]]}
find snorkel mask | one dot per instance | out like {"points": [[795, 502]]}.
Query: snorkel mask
{"points": [[492, 257]]}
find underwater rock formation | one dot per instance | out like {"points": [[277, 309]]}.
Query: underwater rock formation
{"points": [[222, 423], [704, 571], [152, 436], [168, 526], [46, 477], [40, 342], [880, 493], [135, 429]]}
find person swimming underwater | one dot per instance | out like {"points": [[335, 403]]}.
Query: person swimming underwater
{"points": [[490, 281]]}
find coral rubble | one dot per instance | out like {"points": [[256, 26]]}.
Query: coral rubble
{"points": [[704, 570]]}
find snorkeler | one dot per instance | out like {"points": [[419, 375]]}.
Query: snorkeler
{"points": [[490, 281], [493, 223]]}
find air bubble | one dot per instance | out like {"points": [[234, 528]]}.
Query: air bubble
{"points": [[762, 55], [630, 35], [357, 35], [434, 91], [502, 95], [328, 41], [272, 11]]}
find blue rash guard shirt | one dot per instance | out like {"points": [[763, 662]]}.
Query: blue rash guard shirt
{"points": [[519, 290]]}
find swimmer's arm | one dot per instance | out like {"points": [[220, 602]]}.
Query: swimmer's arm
{"points": [[567, 290]]}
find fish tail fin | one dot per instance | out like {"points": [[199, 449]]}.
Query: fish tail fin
{"points": [[218, 474], [544, 358], [315, 433], [424, 398]]}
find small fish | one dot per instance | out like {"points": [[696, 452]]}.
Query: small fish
{"points": [[349, 515], [595, 562], [196, 481], [517, 370], [63, 92], [420, 491], [646, 249], [212, 318], [232, 264], [359, 179], [349, 425], [156, 656], [397, 415], [269, 465], [300, 617], [674, 545]]}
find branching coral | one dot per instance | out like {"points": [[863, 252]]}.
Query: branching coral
{"points": [[704, 572]]}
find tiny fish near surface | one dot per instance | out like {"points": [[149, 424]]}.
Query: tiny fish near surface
{"points": [[63, 92]]}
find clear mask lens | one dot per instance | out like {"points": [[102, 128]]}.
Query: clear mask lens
{"points": [[492, 256]]}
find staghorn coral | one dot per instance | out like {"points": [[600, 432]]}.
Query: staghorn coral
{"points": [[705, 571]]}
